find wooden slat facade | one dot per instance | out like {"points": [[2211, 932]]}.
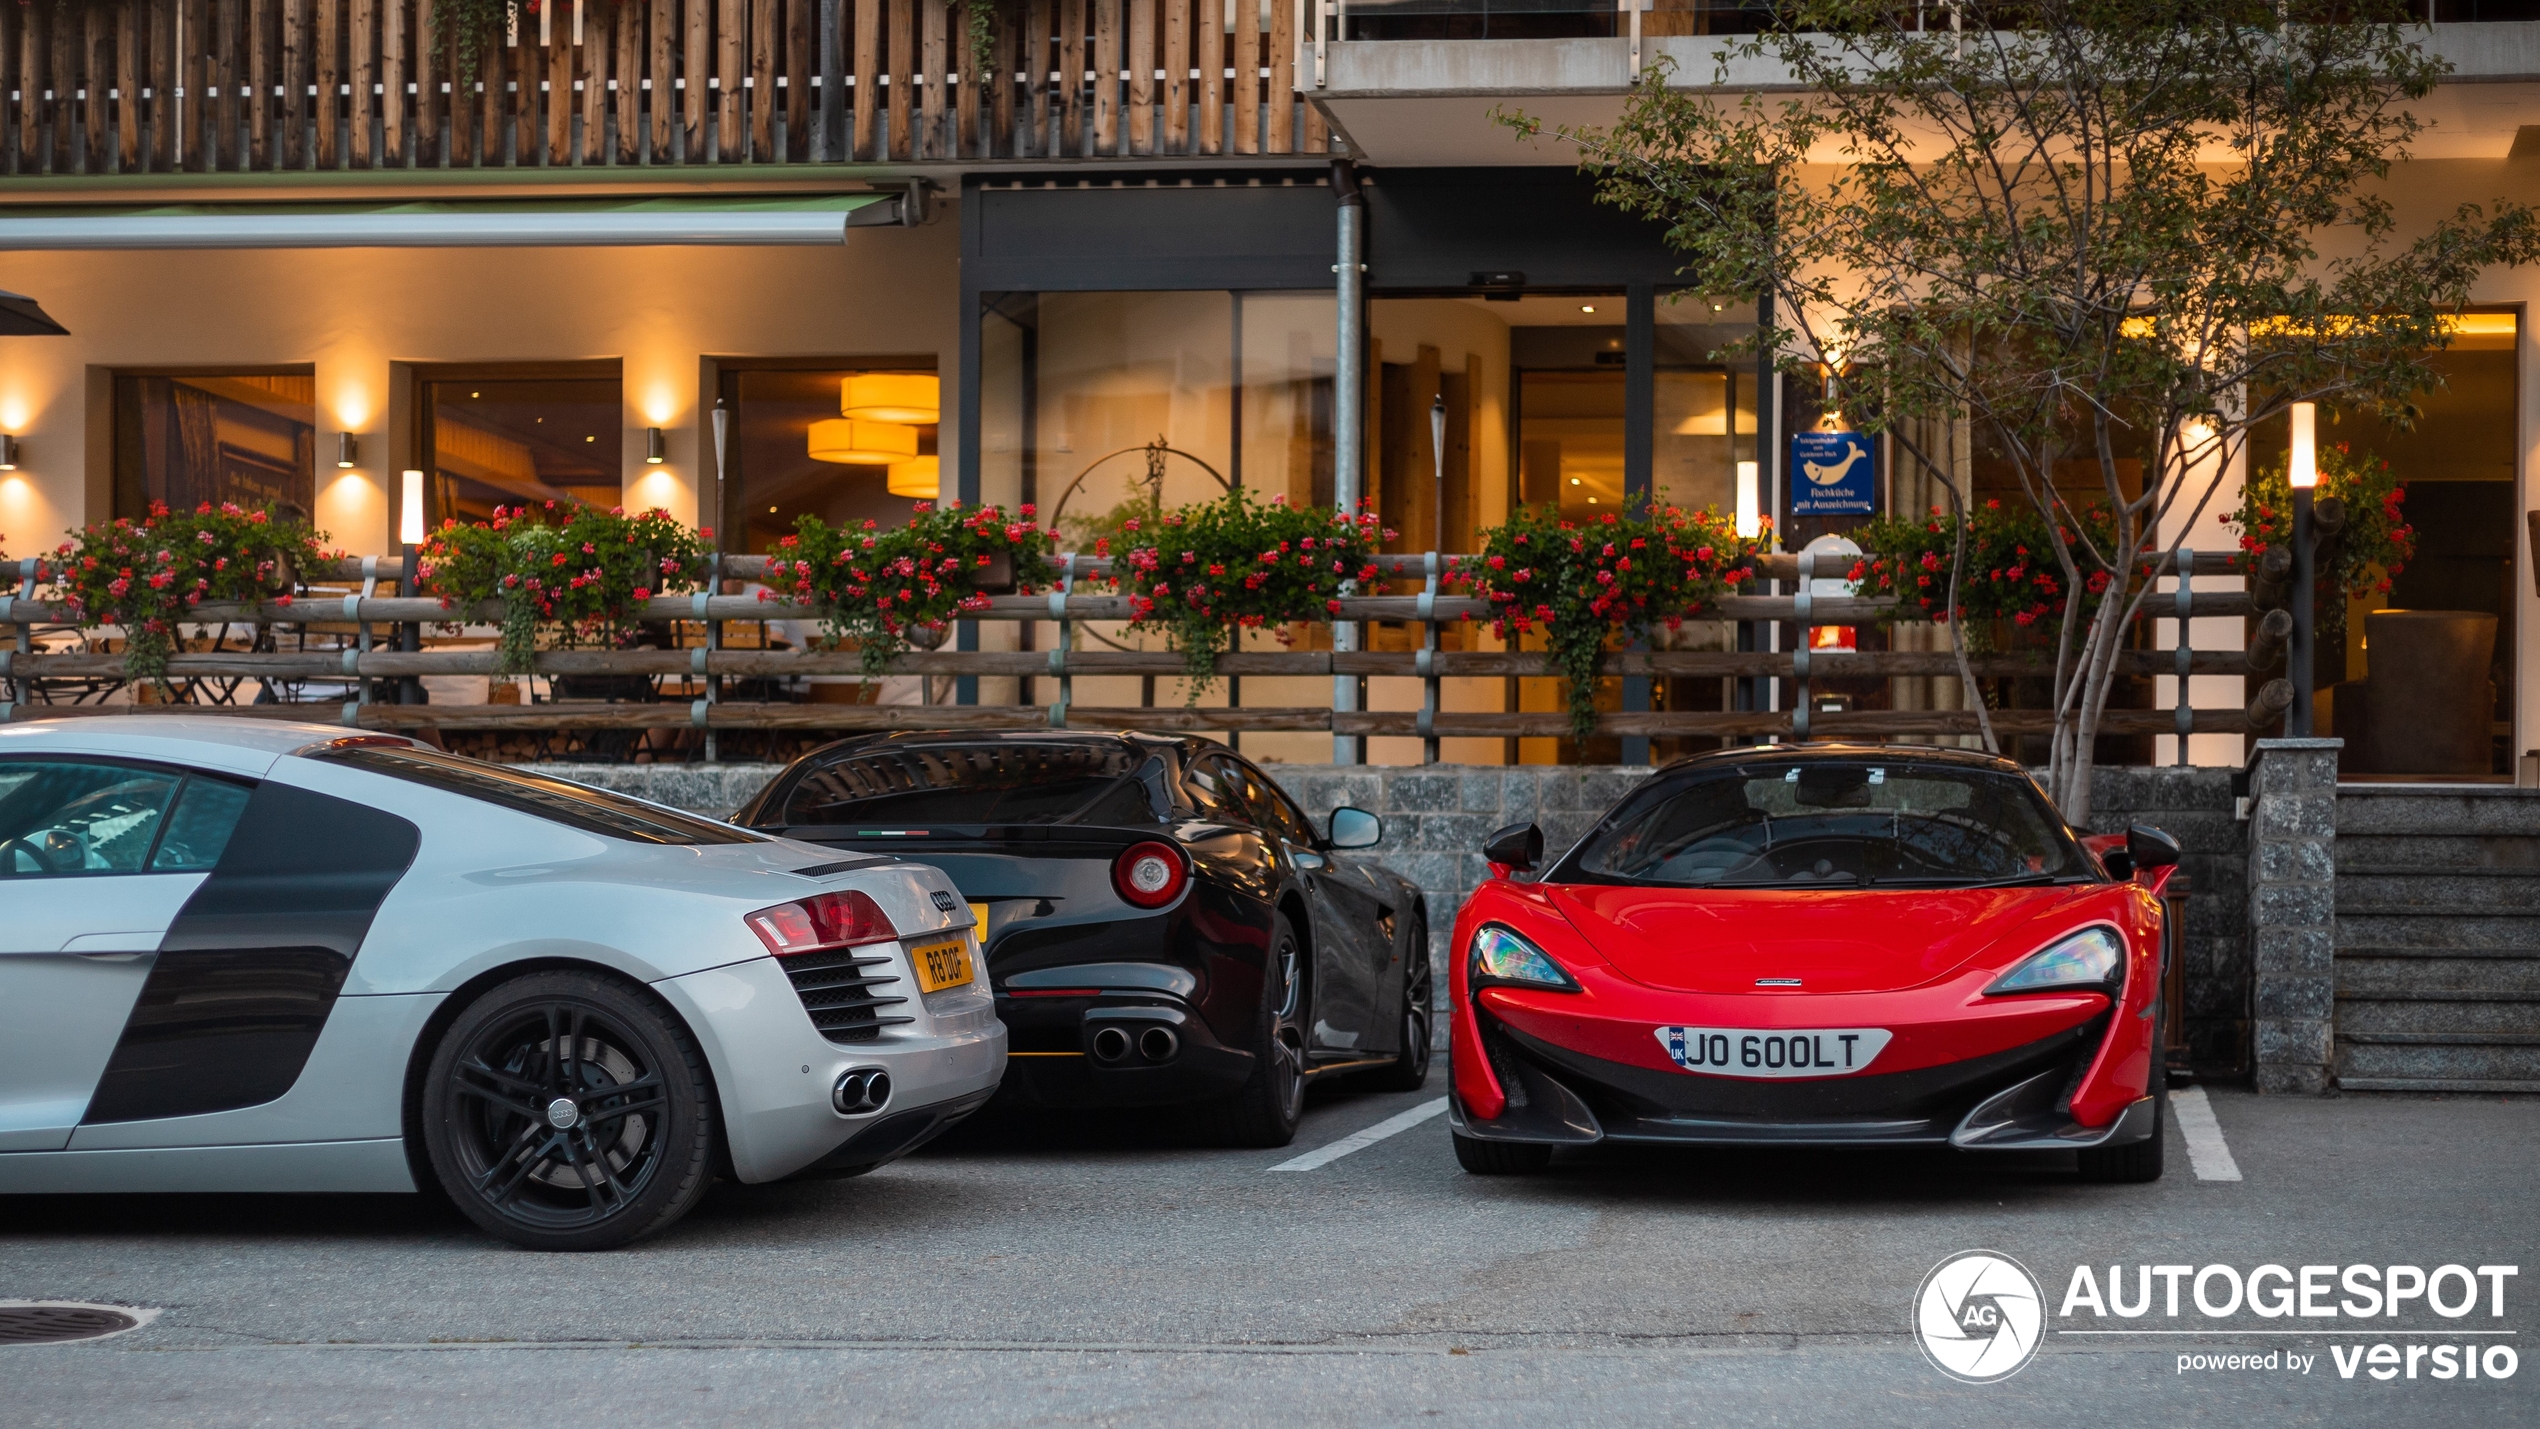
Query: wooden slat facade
{"points": [[164, 86]]}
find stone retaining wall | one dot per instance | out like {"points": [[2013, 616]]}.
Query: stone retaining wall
{"points": [[1436, 817]]}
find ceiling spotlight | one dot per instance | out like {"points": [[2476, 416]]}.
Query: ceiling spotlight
{"points": [[1587, 307]]}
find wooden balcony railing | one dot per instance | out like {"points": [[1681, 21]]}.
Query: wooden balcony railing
{"points": [[366, 668], [220, 86]]}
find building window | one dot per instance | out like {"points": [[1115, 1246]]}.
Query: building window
{"points": [[188, 438], [842, 440], [509, 440], [1098, 405]]}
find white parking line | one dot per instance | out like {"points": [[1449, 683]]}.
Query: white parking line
{"points": [[1361, 1140], [2206, 1150]]}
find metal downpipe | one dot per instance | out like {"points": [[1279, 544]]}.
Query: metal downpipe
{"points": [[1349, 406]]}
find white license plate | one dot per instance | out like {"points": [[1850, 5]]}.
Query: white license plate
{"points": [[1751, 1052]]}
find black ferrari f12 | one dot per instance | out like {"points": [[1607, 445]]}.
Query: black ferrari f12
{"points": [[1162, 924]]}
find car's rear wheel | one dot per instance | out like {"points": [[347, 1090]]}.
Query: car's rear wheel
{"points": [[2139, 1161], [1500, 1158], [1266, 1109], [567, 1111], [1410, 1069]]}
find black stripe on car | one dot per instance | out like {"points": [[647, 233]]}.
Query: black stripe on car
{"points": [[247, 973]]}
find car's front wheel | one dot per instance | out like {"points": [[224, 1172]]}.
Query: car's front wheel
{"points": [[2139, 1161], [1500, 1158], [567, 1111]]}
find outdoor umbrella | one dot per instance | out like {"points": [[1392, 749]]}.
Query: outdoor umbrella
{"points": [[21, 317]]}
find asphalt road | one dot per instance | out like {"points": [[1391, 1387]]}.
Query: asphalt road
{"points": [[1048, 1271]]}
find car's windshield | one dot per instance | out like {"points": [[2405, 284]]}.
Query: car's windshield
{"points": [[986, 783], [1830, 824]]}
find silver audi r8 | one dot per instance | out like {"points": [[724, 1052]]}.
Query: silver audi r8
{"points": [[241, 955]]}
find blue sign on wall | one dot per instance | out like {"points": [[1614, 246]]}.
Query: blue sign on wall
{"points": [[1832, 474]]}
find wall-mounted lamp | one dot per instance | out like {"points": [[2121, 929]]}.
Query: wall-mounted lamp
{"points": [[656, 450], [1750, 500], [347, 451], [8, 453], [2305, 470], [410, 510]]}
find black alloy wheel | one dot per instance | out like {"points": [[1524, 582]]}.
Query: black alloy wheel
{"points": [[1265, 1110], [567, 1111], [1410, 1069]]}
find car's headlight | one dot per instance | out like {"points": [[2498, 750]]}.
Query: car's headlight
{"points": [[1500, 956], [2091, 958]]}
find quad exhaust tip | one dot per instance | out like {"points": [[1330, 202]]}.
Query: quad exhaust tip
{"points": [[1158, 1044], [862, 1091], [1111, 1044]]}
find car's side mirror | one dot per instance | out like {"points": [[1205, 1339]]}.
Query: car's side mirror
{"points": [[2150, 848], [1516, 848], [1356, 828]]}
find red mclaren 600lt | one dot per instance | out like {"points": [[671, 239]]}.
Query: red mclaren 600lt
{"points": [[1818, 946]]}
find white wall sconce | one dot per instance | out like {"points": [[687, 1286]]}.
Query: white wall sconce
{"points": [[410, 510], [2303, 472], [347, 450], [656, 451], [1750, 499]]}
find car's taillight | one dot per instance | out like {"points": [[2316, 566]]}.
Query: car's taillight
{"points": [[820, 923], [1150, 875]]}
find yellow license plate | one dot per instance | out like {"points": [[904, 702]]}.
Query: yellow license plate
{"points": [[979, 915], [941, 964]]}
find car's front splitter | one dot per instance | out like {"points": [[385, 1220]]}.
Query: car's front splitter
{"points": [[2009, 1100]]}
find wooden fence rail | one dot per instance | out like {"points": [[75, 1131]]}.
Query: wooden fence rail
{"points": [[217, 86], [364, 668]]}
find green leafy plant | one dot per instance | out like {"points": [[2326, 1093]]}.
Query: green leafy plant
{"points": [[884, 591], [146, 575], [2376, 543], [1596, 586], [1200, 574], [577, 570]]}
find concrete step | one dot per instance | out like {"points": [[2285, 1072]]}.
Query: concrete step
{"points": [[2442, 853], [2452, 1056], [2433, 1084], [2477, 809], [2439, 979], [2467, 932], [2446, 890], [2445, 1012]]}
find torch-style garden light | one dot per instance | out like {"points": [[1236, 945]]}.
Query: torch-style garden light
{"points": [[2304, 472]]}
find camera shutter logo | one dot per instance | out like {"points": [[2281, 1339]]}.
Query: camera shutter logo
{"points": [[1979, 1316]]}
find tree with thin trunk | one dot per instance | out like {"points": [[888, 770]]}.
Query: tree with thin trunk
{"points": [[2110, 237]]}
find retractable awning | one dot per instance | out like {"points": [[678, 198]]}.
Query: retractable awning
{"points": [[822, 219]]}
